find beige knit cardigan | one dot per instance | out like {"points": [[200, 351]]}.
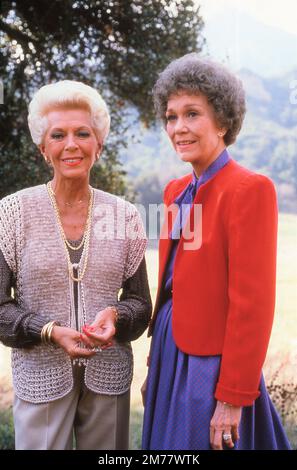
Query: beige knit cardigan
{"points": [[34, 250]]}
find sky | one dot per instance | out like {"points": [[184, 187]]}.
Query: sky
{"points": [[279, 13], [260, 35]]}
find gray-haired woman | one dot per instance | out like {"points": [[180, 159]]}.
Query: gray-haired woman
{"points": [[68, 249], [215, 301]]}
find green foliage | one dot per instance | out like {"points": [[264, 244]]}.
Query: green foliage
{"points": [[6, 430], [117, 46], [267, 144], [136, 420]]}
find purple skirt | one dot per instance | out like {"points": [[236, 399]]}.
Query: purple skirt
{"points": [[180, 400]]}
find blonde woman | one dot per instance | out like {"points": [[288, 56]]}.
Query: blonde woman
{"points": [[68, 249]]}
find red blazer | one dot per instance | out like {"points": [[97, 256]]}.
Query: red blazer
{"points": [[224, 291]]}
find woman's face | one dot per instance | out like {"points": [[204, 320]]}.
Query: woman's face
{"points": [[193, 130], [70, 142]]}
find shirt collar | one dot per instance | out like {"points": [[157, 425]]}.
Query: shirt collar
{"points": [[196, 182], [212, 169]]}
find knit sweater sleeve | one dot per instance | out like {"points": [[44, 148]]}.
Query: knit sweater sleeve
{"points": [[134, 306], [18, 328], [136, 240]]}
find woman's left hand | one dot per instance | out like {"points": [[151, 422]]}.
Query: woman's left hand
{"points": [[101, 332], [224, 425]]}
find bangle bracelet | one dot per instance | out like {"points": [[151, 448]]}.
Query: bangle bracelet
{"points": [[46, 332], [113, 308]]}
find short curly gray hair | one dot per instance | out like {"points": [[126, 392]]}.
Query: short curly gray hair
{"points": [[196, 75]]}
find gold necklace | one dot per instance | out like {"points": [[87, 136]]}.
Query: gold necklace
{"points": [[86, 236], [74, 248], [71, 204]]}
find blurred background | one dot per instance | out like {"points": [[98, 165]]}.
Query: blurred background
{"points": [[119, 47]]}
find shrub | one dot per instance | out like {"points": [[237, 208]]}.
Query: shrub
{"points": [[283, 392], [6, 429]]}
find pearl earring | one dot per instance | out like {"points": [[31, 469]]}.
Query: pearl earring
{"points": [[220, 134]]}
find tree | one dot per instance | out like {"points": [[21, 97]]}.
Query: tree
{"points": [[118, 46]]}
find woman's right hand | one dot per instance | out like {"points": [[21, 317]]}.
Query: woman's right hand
{"points": [[70, 340], [224, 425], [143, 391]]}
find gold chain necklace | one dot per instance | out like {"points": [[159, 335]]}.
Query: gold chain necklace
{"points": [[71, 204], [74, 248], [86, 236]]}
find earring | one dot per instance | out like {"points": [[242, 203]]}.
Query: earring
{"points": [[48, 161], [220, 134]]}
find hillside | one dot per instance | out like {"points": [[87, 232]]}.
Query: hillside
{"points": [[267, 143]]}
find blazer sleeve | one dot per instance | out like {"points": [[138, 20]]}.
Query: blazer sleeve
{"points": [[252, 280]]}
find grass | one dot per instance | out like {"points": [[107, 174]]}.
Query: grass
{"points": [[282, 353], [280, 365], [136, 427]]}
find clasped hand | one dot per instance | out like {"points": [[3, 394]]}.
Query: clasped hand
{"points": [[97, 335]]}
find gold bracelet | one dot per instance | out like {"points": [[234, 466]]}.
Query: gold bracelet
{"points": [[227, 404], [49, 332], [113, 308], [43, 333], [46, 332]]}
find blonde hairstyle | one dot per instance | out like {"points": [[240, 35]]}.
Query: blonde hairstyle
{"points": [[67, 94]]}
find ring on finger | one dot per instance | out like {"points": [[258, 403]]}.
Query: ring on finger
{"points": [[227, 436]]}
